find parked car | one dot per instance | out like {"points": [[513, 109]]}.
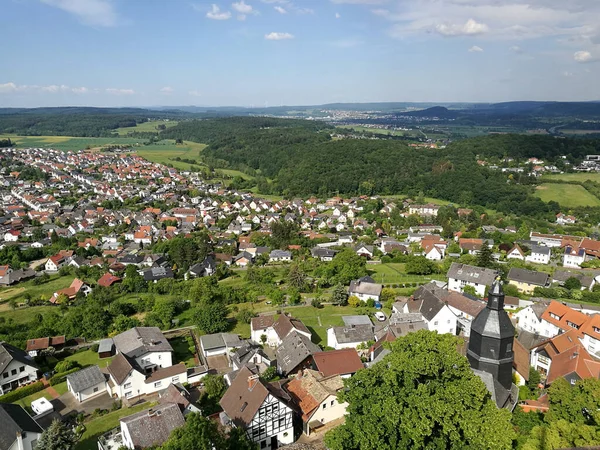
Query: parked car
{"points": [[380, 316]]}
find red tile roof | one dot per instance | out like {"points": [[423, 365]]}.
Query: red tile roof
{"points": [[338, 362]]}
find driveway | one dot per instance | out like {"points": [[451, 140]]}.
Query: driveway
{"points": [[66, 404]]}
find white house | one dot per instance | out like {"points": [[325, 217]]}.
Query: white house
{"points": [[87, 383], [248, 404], [17, 368], [146, 346], [461, 275], [276, 330], [19, 430], [280, 255], [563, 219], [151, 427], [539, 255], [530, 318], [516, 253], [591, 335], [55, 262], [263, 326], [12, 236], [219, 343], [434, 253], [573, 256], [349, 336], [365, 288], [436, 314], [424, 210]]}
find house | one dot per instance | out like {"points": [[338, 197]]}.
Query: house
{"points": [[55, 262], [539, 255], [147, 346], [204, 269], [16, 276], [260, 326], [349, 336], [244, 259], [315, 397], [153, 274], [151, 427], [87, 383], [260, 409], [294, 353], [106, 348], [324, 254], [527, 280], [461, 275], [573, 256], [365, 288], [280, 255], [36, 347], [18, 430], [72, 291], [559, 318], [12, 236], [586, 279], [251, 355], [177, 394], [219, 343], [530, 317], [108, 279], [424, 210], [364, 250], [435, 313], [276, 331], [344, 362], [516, 253], [17, 368], [521, 362], [563, 219], [464, 308], [591, 335]]}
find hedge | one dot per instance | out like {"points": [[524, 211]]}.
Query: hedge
{"points": [[60, 377], [23, 392]]}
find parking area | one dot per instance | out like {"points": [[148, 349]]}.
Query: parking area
{"points": [[66, 404]]}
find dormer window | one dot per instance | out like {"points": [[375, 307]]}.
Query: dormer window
{"points": [[554, 316], [596, 330], [572, 325]]}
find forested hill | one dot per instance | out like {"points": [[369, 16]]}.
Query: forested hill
{"points": [[299, 158]]}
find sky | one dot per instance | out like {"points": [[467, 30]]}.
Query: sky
{"points": [[296, 52]]}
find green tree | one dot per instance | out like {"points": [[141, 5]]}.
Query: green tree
{"points": [[419, 265], [211, 318], [567, 402], [58, 436], [339, 296], [572, 283], [534, 379], [484, 257], [297, 277], [214, 386], [562, 434], [422, 396], [468, 289]]}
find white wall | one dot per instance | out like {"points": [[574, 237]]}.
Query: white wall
{"points": [[591, 344], [29, 372], [329, 409], [444, 322], [528, 321], [161, 359], [88, 393], [27, 443], [457, 286]]}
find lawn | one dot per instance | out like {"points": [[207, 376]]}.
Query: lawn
{"points": [[569, 195], [395, 273], [45, 290], [67, 143], [182, 352], [88, 358], [579, 177], [163, 152], [100, 425], [150, 126], [25, 315]]}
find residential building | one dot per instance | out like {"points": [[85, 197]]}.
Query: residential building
{"points": [[87, 383], [434, 312], [316, 398], [530, 317], [324, 254], [344, 362], [461, 275], [204, 269], [349, 336], [539, 255], [365, 288], [219, 343], [294, 353], [261, 409], [280, 256], [559, 318], [147, 346], [424, 210], [590, 335], [36, 347], [18, 430], [527, 280], [573, 256], [277, 330], [17, 368], [151, 427], [516, 253]]}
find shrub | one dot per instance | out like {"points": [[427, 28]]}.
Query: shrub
{"points": [[66, 365], [354, 301], [371, 303], [94, 348], [61, 377], [23, 392], [316, 302]]}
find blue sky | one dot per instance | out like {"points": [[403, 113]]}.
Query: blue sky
{"points": [[296, 52]]}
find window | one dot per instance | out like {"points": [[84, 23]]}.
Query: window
{"points": [[175, 379], [332, 402], [158, 384], [95, 389], [324, 405], [23, 434], [263, 444], [13, 372], [509, 348], [159, 356], [22, 369], [282, 422], [127, 385], [128, 394], [448, 321], [5, 375], [435, 323]]}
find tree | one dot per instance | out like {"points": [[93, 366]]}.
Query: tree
{"points": [[484, 257], [354, 301], [316, 302], [419, 265], [12, 304], [297, 277], [58, 436], [470, 290], [211, 318], [423, 395], [133, 281], [572, 283], [339, 296], [214, 386], [534, 379]]}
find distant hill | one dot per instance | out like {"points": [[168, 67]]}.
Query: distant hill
{"points": [[436, 111]]}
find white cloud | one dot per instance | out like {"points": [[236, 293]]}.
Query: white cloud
{"points": [[7, 88], [80, 90], [166, 90], [360, 2], [471, 27], [337, 15], [475, 49], [215, 13], [195, 93], [583, 56], [280, 10], [242, 7], [276, 36], [89, 12], [516, 49], [115, 91]]}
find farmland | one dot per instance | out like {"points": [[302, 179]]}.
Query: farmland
{"points": [[69, 143], [570, 195], [146, 127], [44, 290], [579, 177]]}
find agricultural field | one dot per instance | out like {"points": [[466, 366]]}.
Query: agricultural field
{"points": [[570, 195], [146, 127], [45, 290], [412, 133], [161, 152], [579, 177], [69, 143], [395, 273]]}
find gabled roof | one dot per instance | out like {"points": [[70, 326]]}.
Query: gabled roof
{"points": [[9, 353], [528, 276], [14, 420], [244, 397], [472, 274], [562, 316], [575, 360], [86, 378], [592, 327], [338, 362], [521, 359], [153, 426], [177, 394], [120, 368], [294, 349], [262, 322], [366, 286], [141, 340], [310, 388], [286, 324]]}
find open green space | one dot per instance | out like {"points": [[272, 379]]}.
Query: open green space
{"points": [[569, 195], [88, 358], [146, 127], [579, 177], [358, 128], [395, 273], [100, 425], [163, 152], [182, 352], [44, 291], [69, 143]]}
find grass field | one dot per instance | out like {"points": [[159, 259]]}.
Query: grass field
{"points": [[43, 290], [88, 358], [569, 195], [579, 132], [395, 273], [412, 133], [150, 126], [162, 152], [181, 352], [100, 425], [579, 177], [66, 143]]}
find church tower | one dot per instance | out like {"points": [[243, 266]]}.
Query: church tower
{"points": [[491, 342]]}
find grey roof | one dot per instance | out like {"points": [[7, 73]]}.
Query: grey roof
{"points": [[294, 349], [502, 397], [154, 426], [280, 254], [14, 419], [86, 378], [351, 334], [585, 278], [528, 276], [141, 340], [208, 263], [157, 273], [218, 340], [9, 353], [105, 345], [472, 274], [540, 250], [357, 320], [366, 286], [318, 252], [16, 276], [530, 340], [426, 302]]}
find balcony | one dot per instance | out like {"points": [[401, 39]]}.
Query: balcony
{"points": [[111, 440]]}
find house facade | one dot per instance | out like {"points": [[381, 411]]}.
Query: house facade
{"points": [[461, 275], [17, 368]]}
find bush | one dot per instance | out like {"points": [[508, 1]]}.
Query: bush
{"points": [[95, 348], [61, 377], [371, 303], [65, 366], [316, 302], [245, 316], [354, 301], [23, 392]]}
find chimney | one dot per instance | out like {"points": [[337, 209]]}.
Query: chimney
{"points": [[252, 381]]}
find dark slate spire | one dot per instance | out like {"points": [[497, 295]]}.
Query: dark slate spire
{"points": [[496, 296]]}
